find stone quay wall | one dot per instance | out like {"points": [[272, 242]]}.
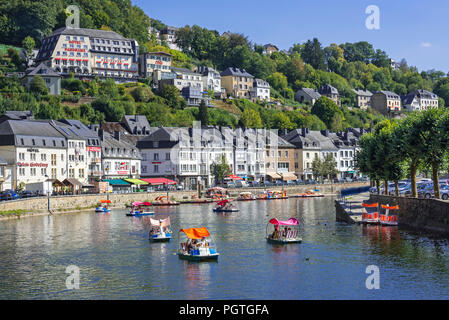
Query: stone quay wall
{"points": [[430, 215], [121, 200]]}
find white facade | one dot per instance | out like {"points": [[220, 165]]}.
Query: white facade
{"points": [[261, 90]]}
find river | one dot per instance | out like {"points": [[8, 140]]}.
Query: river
{"points": [[116, 260]]}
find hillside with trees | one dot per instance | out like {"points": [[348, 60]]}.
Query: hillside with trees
{"points": [[310, 64]]}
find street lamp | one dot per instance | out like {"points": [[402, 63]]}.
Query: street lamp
{"points": [[48, 193]]}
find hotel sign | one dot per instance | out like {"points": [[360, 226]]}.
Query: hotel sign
{"points": [[32, 164], [94, 149]]}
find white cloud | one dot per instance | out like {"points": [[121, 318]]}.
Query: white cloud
{"points": [[426, 44]]}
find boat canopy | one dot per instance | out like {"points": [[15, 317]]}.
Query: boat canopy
{"points": [[289, 222], [390, 208], [222, 202], [216, 189], [138, 203], [247, 193], [105, 201], [370, 205], [162, 223], [196, 233]]}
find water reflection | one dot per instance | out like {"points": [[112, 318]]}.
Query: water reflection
{"points": [[117, 260]]}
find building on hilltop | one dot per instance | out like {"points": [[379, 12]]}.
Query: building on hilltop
{"points": [[89, 53], [261, 90], [51, 78], [237, 82], [307, 95], [330, 92], [386, 102], [363, 98], [419, 100]]}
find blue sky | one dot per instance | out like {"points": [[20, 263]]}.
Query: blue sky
{"points": [[416, 30]]}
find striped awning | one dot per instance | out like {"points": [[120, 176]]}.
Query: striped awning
{"points": [[117, 182], [273, 175], [137, 182], [289, 176]]}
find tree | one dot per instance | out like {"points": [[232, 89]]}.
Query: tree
{"points": [[313, 54], [330, 166], [250, 118], [221, 170], [171, 95], [28, 45], [326, 110], [318, 168], [203, 114], [37, 86]]}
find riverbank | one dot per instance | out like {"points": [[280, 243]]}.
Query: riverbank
{"points": [[64, 204]]}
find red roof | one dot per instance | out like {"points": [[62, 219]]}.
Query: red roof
{"points": [[159, 181]]}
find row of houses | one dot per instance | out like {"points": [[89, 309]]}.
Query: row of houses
{"points": [[35, 152], [385, 102], [92, 53]]}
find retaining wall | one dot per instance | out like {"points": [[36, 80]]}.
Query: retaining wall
{"points": [[419, 214]]}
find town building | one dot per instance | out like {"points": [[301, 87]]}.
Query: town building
{"points": [[93, 149], [330, 92], [136, 124], [51, 78], [237, 82], [386, 102], [168, 34], [34, 152], [307, 149], [88, 53], [211, 80], [363, 98], [186, 155], [280, 160], [149, 62], [183, 78], [249, 153], [261, 90], [120, 159], [270, 48], [307, 95], [419, 100]]}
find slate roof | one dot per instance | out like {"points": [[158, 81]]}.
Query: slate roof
{"points": [[136, 124], [301, 140], [365, 93], [389, 94], [123, 150], [312, 93], [93, 33], [13, 132], [328, 89], [42, 70], [422, 94], [183, 71], [236, 72]]}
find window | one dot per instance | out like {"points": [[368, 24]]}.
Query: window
{"points": [[21, 171], [21, 156], [156, 168], [167, 156]]}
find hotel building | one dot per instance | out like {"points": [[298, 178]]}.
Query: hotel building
{"points": [[90, 52]]}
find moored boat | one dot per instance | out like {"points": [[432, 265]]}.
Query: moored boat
{"points": [[309, 194], [103, 206], [225, 206], [284, 231], [160, 230], [140, 209], [387, 219], [198, 245], [372, 213], [246, 196], [276, 195], [164, 201]]}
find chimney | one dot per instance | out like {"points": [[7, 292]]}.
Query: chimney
{"points": [[325, 132], [117, 135], [101, 134], [304, 131], [135, 118], [284, 132]]}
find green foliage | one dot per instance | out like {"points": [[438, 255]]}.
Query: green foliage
{"points": [[203, 114], [221, 170], [37, 86], [325, 109]]}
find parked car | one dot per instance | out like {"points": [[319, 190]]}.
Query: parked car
{"points": [[268, 184], [299, 181], [310, 181], [348, 179], [254, 184], [279, 183], [26, 194], [291, 183], [8, 195], [444, 192], [241, 184]]}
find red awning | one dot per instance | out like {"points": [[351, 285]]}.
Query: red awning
{"points": [[57, 58], [234, 177], [159, 181]]}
